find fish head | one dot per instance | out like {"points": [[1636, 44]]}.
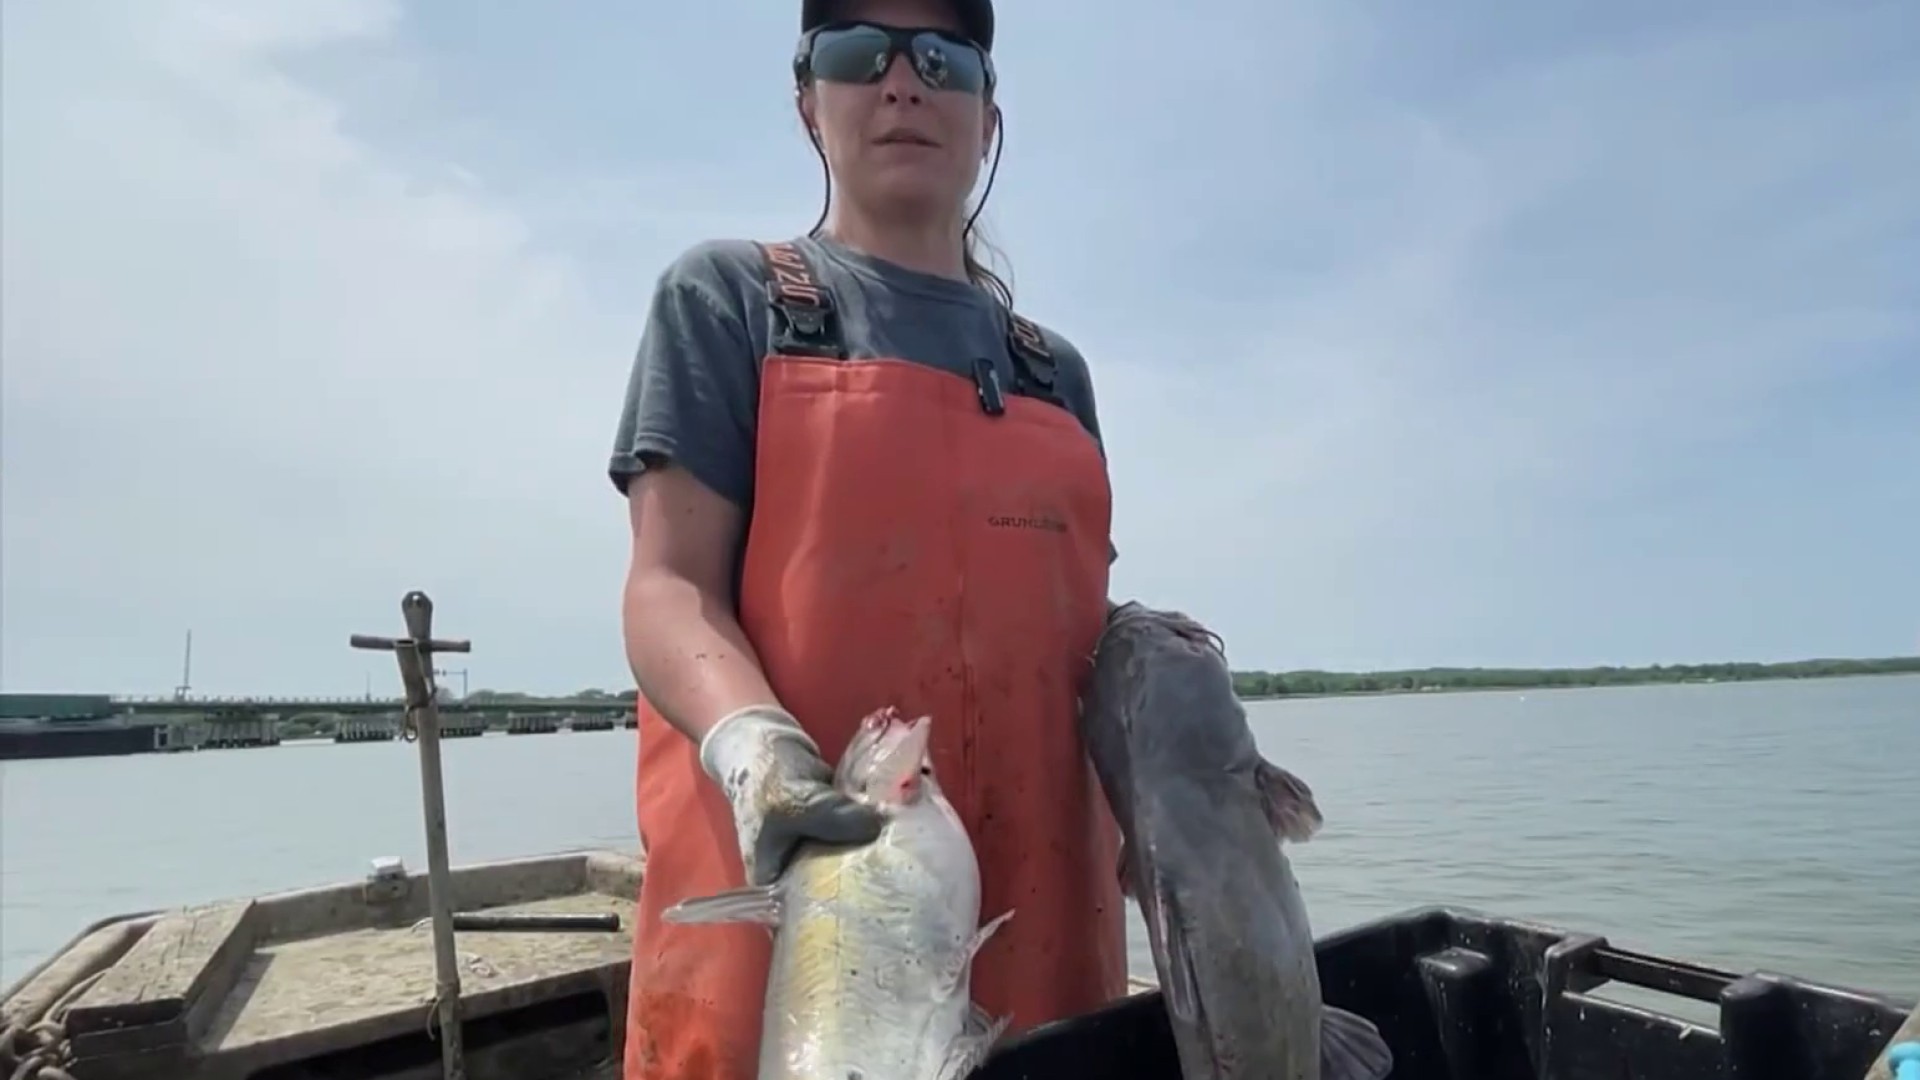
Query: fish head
{"points": [[1165, 691], [1161, 682], [886, 762]]}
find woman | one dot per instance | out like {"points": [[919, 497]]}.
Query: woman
{"points": [[855, 479]]}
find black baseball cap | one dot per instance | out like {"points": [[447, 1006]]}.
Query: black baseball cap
{"points": [[976, 18]]}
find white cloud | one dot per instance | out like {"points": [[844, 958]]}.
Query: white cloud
{"points": [[305, 305], [260, 379], [1553, 285]]}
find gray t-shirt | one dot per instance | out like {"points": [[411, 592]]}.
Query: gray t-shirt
{"points": [[693, 397]]}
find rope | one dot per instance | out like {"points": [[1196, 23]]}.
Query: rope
{"points": [[41, 1050], [410, 719]]}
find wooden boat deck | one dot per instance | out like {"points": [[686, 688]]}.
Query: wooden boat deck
{"points": [[332, 983], [289, 989], [339, 980]]}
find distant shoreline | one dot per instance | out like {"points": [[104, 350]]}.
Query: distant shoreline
{"points": [[1274, 686], [1269, 685]]}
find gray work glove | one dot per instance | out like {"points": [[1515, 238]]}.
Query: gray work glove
{"points": [[781, 790]]}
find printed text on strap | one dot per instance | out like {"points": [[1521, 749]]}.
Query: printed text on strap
{"points": [[804, 321]]}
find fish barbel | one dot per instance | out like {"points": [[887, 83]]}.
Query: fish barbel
{"points": [[873, 944], [1201, 816]]}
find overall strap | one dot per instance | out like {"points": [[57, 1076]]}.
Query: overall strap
{"points": [[804, 320], [805, 323], [1033, 363], [1033, 369]]}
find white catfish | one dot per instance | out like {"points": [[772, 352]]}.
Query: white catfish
{"points": [[873, 945]]}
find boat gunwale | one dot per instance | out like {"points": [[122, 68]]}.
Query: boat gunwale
{"points": [[310, 914]]}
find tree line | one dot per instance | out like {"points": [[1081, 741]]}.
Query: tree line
{"points": [[1266, 684], [1310, 683]]}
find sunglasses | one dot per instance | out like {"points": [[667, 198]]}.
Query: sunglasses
{"points": [[858, 52]]}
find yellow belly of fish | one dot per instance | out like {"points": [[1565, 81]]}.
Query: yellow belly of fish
{"points": [[849, 987]]}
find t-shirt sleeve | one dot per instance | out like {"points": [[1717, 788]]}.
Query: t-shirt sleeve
{"points": [[693, 393], [1076, 389]]}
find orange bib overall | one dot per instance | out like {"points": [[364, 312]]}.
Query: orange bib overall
{"points": [[917, 539]]}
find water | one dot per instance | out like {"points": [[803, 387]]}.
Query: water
{"points": [[1760, 825]]}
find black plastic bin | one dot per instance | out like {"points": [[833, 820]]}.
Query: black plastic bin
{"points": [[1462, 996]]}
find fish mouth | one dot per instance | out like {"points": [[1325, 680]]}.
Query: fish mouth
{"points": [[1133, 615], [903, 745], [919, 735], [887, 758], [900, 770]]}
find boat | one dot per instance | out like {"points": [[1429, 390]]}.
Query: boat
{"points": [[517, 970], [339, 981]]}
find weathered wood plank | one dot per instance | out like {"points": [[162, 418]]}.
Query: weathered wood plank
{"points": [[184, 956], [94, 952]]}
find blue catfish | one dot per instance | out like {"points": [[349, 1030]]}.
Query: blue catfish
{"points": [[1201, 816]]}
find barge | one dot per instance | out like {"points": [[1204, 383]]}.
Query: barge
{"points": [[72, 725]]}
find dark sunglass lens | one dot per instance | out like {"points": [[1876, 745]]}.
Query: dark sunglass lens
{"points": [[856, 54], [945, 64]]}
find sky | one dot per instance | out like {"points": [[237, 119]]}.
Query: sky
{"points": [[1480, 333]]}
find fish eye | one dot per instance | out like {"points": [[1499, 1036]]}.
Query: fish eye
{"points": [[926, 770]]}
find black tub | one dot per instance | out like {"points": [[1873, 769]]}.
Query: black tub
{"points": [[1463, 996]]}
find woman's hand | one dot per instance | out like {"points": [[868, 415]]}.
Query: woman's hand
{"points": [[781, 790]]}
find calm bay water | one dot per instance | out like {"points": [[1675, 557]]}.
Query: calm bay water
{"points": [[1758, 825]]}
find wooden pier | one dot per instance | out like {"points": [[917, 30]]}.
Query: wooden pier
{"points": [[86, 725], [462, 725], [532, 724], [363, 729], [240, 732]]}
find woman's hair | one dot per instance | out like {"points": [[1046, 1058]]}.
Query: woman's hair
{"points": [[975, 244]]}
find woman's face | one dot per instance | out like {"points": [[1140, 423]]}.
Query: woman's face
{"points": [[899, 145]]}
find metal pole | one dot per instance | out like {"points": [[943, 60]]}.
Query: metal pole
{"points": [[185, 689], [463, 679], [415, 653]]}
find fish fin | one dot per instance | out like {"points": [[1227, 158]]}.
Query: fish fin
{"points": [[1288, 801], [955, 977], [972, 1046], [755, 903], [1351, 1047], [981, 935], [1179, 983], [1121, 872]]}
